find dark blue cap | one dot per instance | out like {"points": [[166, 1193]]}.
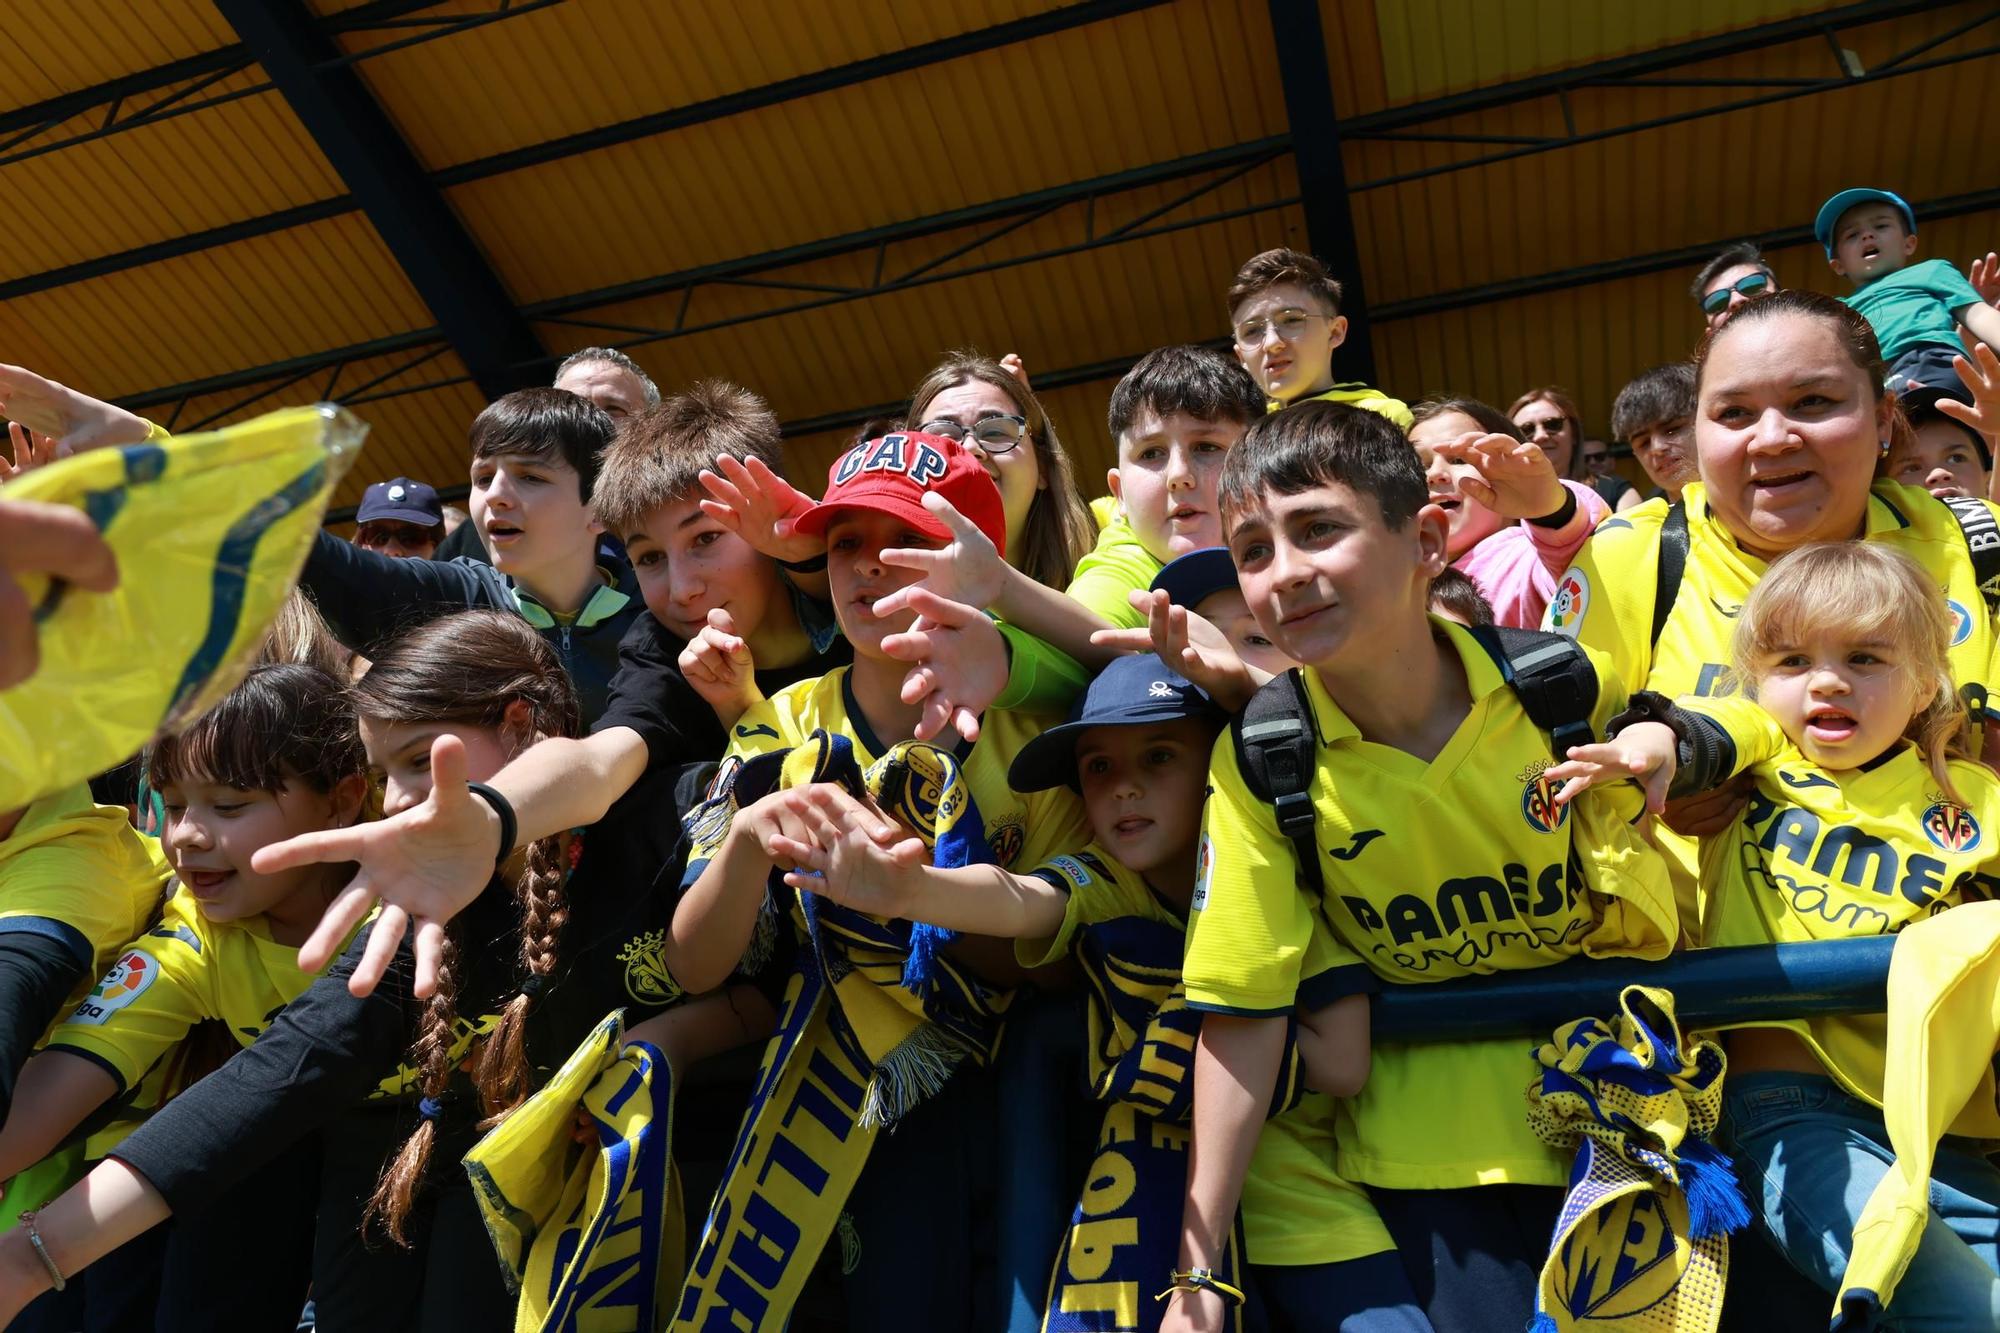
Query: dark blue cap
{"points": [[1830, 211], [1186, 579], [1132, 691], [401, 499]]}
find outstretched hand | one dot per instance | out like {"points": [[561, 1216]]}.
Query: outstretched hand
{"points": [[718, 664], [31, 450], [43, 539], [1984, 275], [75, 419], [1645, 752], [1516, 478], [1979, 369], [858, 857], [967, 569], [958, 660], [426, 864], [1190, 645], [758, 505]]}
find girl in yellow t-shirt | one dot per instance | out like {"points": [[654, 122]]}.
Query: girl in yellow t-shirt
{"points": [[1865, 816]]}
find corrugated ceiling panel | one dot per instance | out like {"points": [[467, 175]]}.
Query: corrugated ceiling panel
{"points": [[1661, 189], [58, 46], [1433, 47], [1593, 339], [163, 180], [615, 61], [1127, 92], [301, 291]]}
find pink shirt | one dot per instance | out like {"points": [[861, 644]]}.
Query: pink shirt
{"points": [[1517, 567]]}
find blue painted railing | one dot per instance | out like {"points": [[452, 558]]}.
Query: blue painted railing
{"points": [[1711, 987]]}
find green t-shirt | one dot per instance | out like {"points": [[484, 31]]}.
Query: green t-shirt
{"points": [[1915, 306], [1117, 566]]}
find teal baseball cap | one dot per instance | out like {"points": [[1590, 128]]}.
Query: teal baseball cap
{"points": [[1830, 211]]}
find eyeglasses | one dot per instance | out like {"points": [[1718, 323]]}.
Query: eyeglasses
{"points": [[1289, 323], [1749, 285], [375, 533], [995, 434], [1549, 426], [1599, 459]]}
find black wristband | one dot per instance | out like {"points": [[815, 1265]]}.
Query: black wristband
{"points": [[810, 566], [1650, 706], [1562, 515], [509, 825]]}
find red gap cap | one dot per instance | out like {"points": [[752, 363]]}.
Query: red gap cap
{"points": [[891, 474]]}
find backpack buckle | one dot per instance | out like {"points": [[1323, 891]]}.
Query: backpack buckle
{"points": [[1295, 814]]}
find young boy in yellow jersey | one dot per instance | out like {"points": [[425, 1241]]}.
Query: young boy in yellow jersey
{"points": [[1284, 309], [1440, 852], [279, 756]]}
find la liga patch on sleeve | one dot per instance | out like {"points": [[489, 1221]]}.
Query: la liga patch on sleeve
{"points": [[124, 983], [1204, 867], [1571, 600]]}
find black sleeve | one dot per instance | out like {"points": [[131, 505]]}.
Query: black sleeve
{"points": [[367, 598], [1704, 755], [38, 970], [649, 695], [320, 1057]]}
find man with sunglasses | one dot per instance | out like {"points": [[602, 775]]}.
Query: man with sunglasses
{"points": [[400, 518], [1737, 275]]}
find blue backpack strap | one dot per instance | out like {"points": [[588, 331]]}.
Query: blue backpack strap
{"points": [[1277, 748], [1551, 676], [1982, 543], [1673, 564]]}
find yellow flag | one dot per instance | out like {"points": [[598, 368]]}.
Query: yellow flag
{"points": [[210, 531]]}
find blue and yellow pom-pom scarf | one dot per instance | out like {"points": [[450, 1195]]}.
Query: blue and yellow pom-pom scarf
{"points": [[875, 1019], [1124, 1234], [210, 531], [1642, 1243]]}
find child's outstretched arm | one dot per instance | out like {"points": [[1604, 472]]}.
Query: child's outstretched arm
{"points": [[864, 860], [1189, 644], [718, 665], [715, 918], [1235, 1069], [93, 1217], [969, 569], [1645, 752], [58, 1089], [1983, 321]]}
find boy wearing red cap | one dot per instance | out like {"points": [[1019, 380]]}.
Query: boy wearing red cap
{"points": [[875, 500]]}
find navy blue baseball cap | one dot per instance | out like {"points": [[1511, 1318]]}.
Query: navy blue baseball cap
{"points": [[401, 499], [1132, 691], [1830, 211], [1186, 579]]}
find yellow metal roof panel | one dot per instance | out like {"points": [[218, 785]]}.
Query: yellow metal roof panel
{"points": [[59, 46]]}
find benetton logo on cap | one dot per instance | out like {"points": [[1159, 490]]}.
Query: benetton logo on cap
{"points": [[920, 462]]}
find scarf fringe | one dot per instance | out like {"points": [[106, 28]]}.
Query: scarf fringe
{"points": [[1543, 1322], [916, 1069], [1715, 1201]]}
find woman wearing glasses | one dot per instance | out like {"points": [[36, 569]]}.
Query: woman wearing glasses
{"points": [[1737, 275], [975, 400], [1550, 418]]}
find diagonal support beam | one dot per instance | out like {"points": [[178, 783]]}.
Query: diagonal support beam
{"points": [[1301, 51], [473, 309]]}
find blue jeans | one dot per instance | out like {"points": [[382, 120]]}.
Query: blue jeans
{"points": [[1811, 1155]]}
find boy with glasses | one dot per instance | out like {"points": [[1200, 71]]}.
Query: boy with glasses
{"points": [[1736, 275], [1284, 312]]}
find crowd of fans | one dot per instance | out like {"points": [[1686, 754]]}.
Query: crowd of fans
{"points": [[1053, 853]]}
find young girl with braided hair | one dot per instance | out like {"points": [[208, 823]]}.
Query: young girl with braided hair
{"points": [[568, 929]]}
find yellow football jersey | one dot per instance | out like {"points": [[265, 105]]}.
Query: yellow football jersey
{"points": [[184, 970], [1460, 866], [1605, 601], [1022, 828], [1116, 567], [1820, 855], [1296, 1208], [80, 872]]}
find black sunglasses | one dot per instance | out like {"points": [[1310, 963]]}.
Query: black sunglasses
{"points": [[1749, 284]]}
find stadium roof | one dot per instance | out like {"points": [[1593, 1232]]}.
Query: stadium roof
{"points": [[221, 206]]}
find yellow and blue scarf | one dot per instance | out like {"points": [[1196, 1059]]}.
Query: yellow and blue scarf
{"points": [[1642, 1243], [875, 1019], [578, 1192], [210, 531], [1124, 1234]]}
